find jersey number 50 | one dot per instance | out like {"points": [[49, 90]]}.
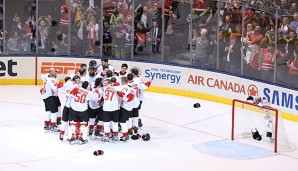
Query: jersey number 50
{"points": [[80, 98]]}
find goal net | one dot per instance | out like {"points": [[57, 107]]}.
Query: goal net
{"points": [[260, 126]]}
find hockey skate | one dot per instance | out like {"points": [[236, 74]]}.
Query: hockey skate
{"points": [[98, 134], [61, 137], [105, 139], [46, 127], [58, 122], [54, 129], [135, 129], [114, 138], [82, 141], [130, 132], [90, 132], [71, 141], [140, 124], [124, 138]]}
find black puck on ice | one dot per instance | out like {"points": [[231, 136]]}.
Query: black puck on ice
{"points": [[98, 152], [196, 105]]}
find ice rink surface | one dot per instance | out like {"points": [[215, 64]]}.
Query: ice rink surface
{"points": [[174, 125]]}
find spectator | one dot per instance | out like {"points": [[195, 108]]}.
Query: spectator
{"points": [[107, 39], [290, 47], [222, 44], [143, 15], [249, 29], [284, 27], [89, 13], [119, 39], [256, 36], [116, 16], [267, 62], [157, 17], [78, 11], [251, 57], [292, 63], [192, 19], [26, 43], [238, 32], [294, 23], [62, 45], [140, 37], [82, 34], [293, 7], [156, 37], [228, 27], [92, 29], [43, 32], [222, 14], [269, 38], [233, 56], [200, 56], [13, 44], [281, 43], [65, 19], [128, 35], [17, 25]]}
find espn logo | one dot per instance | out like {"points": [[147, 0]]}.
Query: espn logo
{"points": [[61, 67]]}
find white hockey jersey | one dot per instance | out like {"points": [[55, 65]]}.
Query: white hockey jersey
{"points": [[137, 87], [95, 104], [49, 86], [91, 79], [111, 102], [67, 87], [99, 68], [126, 95], [121, 74], [80, 101]]}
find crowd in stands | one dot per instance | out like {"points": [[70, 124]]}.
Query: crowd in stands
{"points": [[238, 37]]}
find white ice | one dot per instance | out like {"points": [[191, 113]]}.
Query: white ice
{"points": [[174, 125]]}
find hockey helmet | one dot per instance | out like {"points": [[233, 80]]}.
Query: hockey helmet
{"points": [[93, 63], [197, 105], [146, 137], [98, 152]]}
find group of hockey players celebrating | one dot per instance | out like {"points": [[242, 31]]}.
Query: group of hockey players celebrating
{"points": [[99, 102]]}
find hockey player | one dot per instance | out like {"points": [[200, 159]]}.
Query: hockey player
{"points": [[82, 75], [118, 78], [110, 111], [50, 98], [83, 66], [68, 86], [126, 106], [123, 72], [143, 86], [78, 112], [92, 75], [104, 62], [95, 106], [103, 74]]}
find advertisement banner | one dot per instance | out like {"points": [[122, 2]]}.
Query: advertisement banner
{"points": [[17, 70]]}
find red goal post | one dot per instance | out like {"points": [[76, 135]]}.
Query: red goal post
{"points": [[261, 107]]}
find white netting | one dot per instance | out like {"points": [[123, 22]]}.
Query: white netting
{"points": [[248, 118]]}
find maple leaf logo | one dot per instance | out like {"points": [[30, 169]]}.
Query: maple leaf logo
{"points": [[252, 90]]}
